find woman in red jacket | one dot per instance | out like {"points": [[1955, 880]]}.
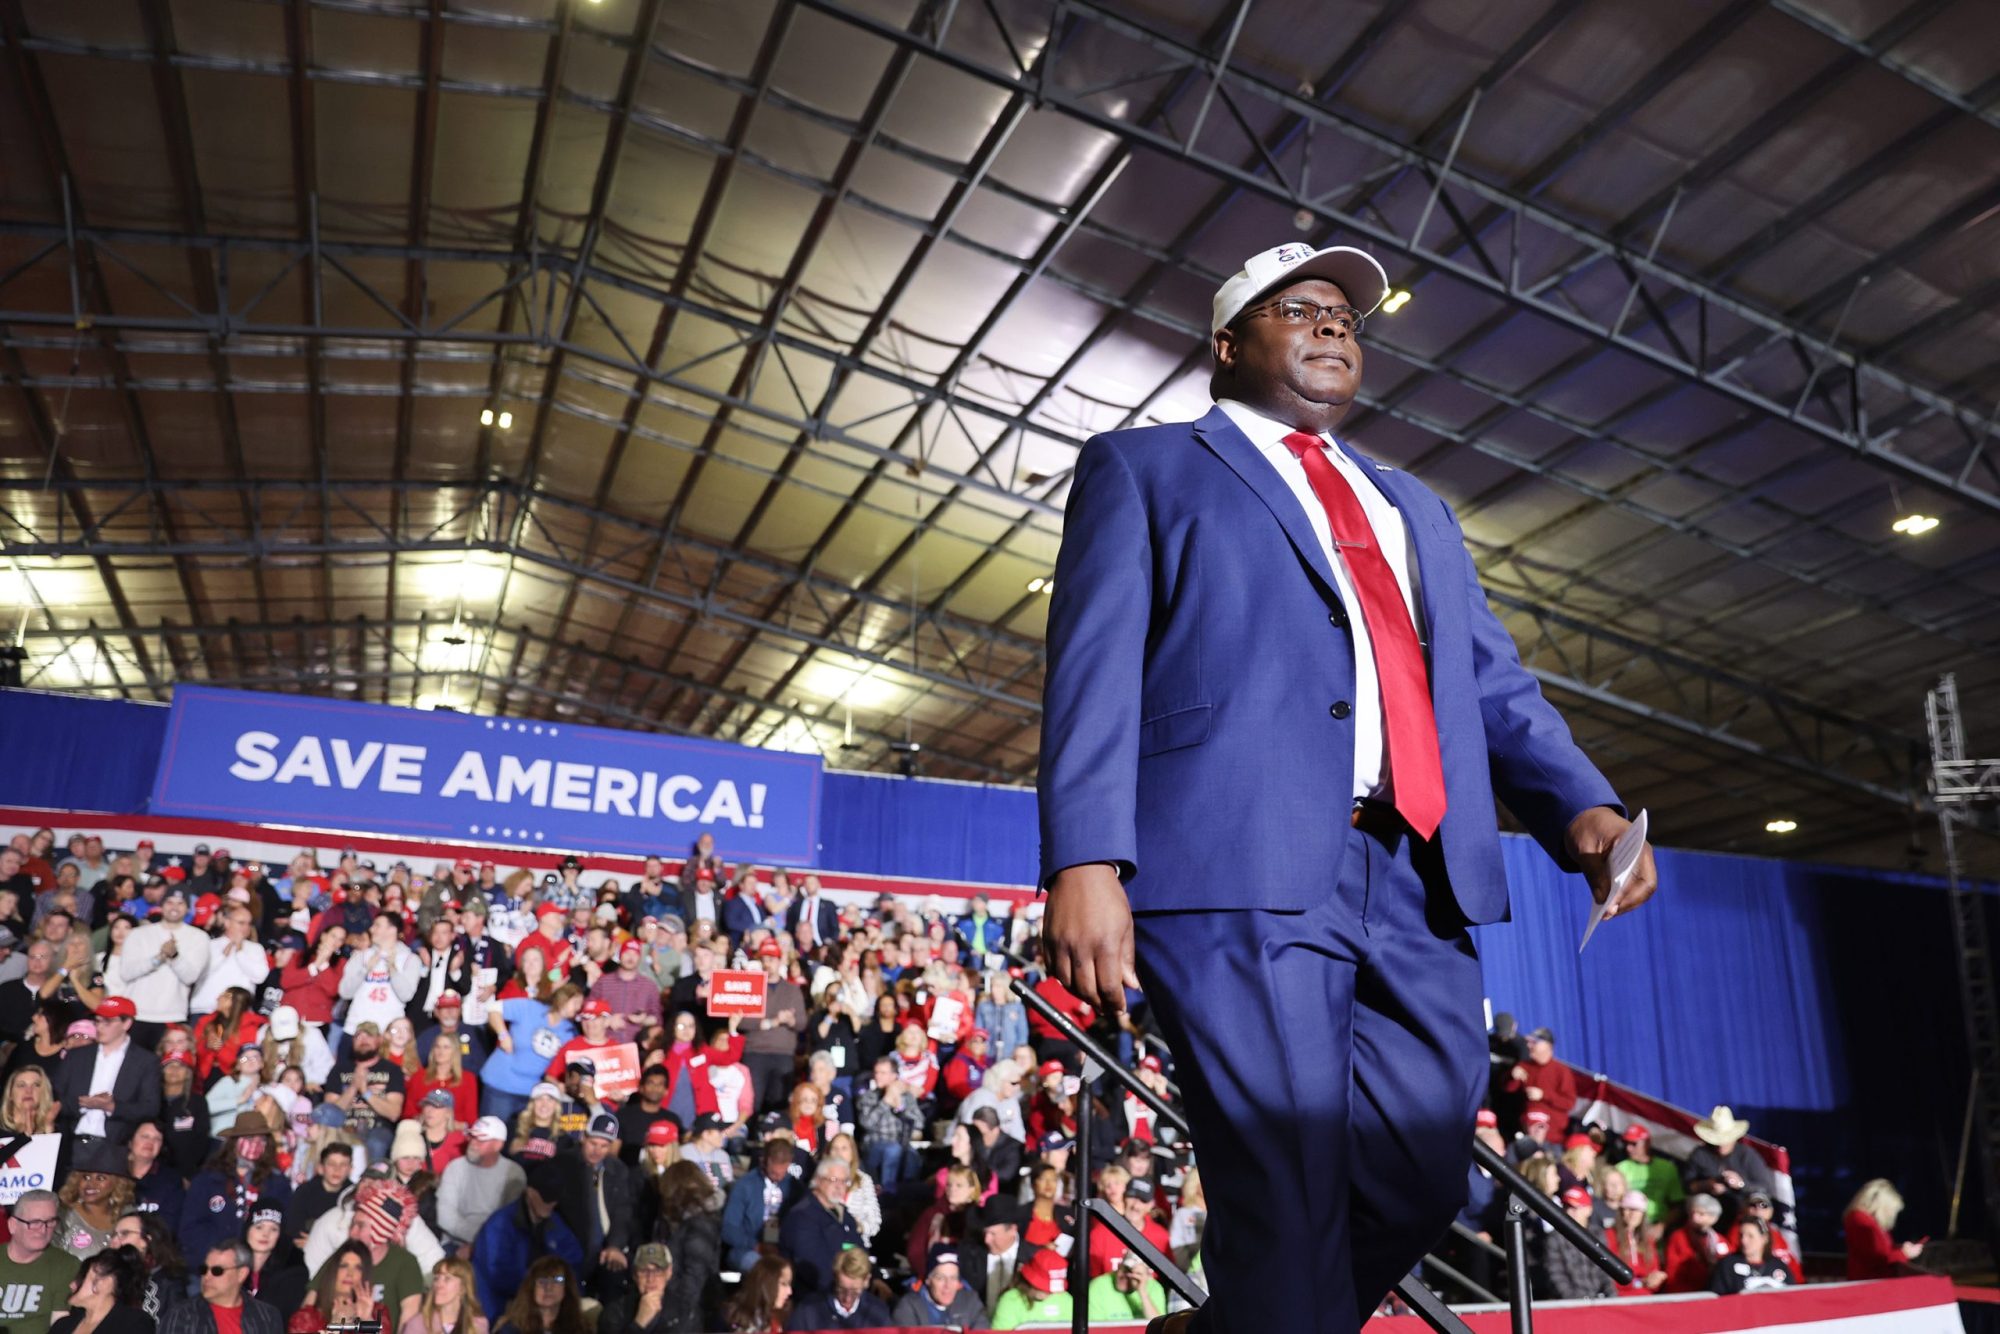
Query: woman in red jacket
{"points": [[1871, 1216], [1629, 1241], [312, 985], [219, 1035]]}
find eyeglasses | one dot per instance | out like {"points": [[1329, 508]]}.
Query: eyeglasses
{"points": [[554, 1280], [50, 1221], [1298, 310], [217, 1271]]}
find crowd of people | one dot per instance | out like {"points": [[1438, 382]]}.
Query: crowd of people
{"points": [[458, 1100], [1705, 1223]]}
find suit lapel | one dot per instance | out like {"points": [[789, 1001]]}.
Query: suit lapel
{"points": [[1234, 448]]}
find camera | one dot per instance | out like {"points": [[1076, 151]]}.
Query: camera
{"points": [[355, 1327]]}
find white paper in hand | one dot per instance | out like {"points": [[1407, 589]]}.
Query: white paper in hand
{"points": [[1624, 861]]}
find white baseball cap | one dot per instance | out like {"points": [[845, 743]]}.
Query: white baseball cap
{"points": [[489, 1127], [1358, 273]]}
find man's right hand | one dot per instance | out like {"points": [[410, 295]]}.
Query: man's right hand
{"points": [[1087, 935]]}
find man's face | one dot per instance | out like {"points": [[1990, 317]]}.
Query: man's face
{"points": [[1538, 1131], [1279, 362], [1128, 1276], [93, 847], [831, 1188], [333, 1170], [1136, 1210], [129, 1233], [943, 1284], [1541, 1051], [41, 958], [112, 1031], [365, 1045], [777, 1166], [653, 1086], [34, 1227], [10, 863], [596, 1148], [1000, 1238], [1639, 1150], [483, 1152], [847, 1291], [222, 1288]]}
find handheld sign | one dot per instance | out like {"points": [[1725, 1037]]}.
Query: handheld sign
{"points": [[735, 994], [617, 1070], [29, 1164]]}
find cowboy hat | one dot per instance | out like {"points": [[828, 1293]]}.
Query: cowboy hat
{"points": [[1721, 1127], [249, 1121]]}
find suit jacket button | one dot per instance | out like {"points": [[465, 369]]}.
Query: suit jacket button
{"points": [[1340, 708], [1337, 619]]}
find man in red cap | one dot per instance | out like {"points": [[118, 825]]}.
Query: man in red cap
{"points": [[595, 1020], [633, 997], [109, 1091], [771, 1043], [547, 937], [1534, 1137], [1040, 1294], [1658, 1179]]}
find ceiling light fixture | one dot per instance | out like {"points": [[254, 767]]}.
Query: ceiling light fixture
{"points": [[1780, 826], [1036, 584], [1395, 301], [486, 416], [1914, 525]]}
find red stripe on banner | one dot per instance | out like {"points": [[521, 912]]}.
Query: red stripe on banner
{"points": [[1923, 1305], [176, 834], [1926, 1301], [1985, 1296]]}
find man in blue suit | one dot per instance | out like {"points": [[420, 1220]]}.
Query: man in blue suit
{"points": [[819, 912], [1270, 653]]}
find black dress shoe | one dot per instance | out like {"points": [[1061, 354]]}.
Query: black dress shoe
{"points": [[1177, 1323]]}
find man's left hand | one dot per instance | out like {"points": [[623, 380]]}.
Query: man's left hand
{"points": [[612, 1259], [1589, 841]]}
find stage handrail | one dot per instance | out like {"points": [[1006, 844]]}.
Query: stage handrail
{"points": [[1551, 1213], [1496, 1166]]}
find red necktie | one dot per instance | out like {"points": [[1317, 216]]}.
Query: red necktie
{"points": [[1408, 725]]}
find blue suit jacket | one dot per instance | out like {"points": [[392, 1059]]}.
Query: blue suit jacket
{"points": [[743, 1209], [829, 916], [1198, 654], [740, 917]]}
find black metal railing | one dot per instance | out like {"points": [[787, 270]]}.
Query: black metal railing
{"points": [[1522, 1199]]}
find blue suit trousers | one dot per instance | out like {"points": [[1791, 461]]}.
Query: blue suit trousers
{"points": [[1331, 1061]]}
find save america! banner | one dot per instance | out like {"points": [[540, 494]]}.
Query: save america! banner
{"points": [[345, 765]]}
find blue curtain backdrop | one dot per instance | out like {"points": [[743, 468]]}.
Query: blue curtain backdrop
{"points": [[1820, 1002]]}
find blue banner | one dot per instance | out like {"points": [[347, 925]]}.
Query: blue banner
{"points": [[337, 764]]}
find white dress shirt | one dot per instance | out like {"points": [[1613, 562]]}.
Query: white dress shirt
{"points": [[103, 1076], [1269, 438]]}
